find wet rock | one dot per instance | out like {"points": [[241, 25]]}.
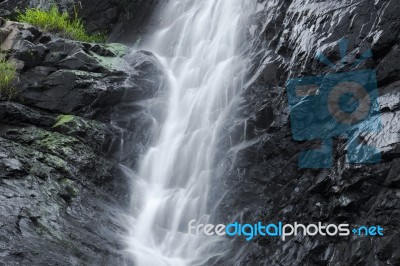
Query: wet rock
{"points": [[263, 181], [393, 178], [61, 171]]}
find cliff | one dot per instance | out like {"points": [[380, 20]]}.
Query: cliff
{"points": [[263, 179], [80, 112]]}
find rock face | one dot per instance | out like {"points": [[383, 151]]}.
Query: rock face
{"points": [[60, 138], [125, 21], [263, 179]]}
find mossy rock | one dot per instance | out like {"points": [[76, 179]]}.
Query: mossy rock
{"points": [[91, 132], [63, 119], [117, 49]]}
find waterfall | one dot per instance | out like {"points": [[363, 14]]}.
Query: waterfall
{"points": [[203, 47]]}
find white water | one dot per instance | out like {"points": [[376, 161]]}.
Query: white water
{"points": [[203, 49]]}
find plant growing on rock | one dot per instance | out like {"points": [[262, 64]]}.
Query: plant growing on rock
{"points": [[54, 21], [7, 76]]}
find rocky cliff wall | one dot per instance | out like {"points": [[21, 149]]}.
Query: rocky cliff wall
{"points": [[61, 136], [263, 180]]}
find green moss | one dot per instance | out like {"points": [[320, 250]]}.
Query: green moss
{"points": [[58, 144], [110, 63], [113, 63], [72, 191], [55, 21], [63, 119], [75, 125], [57, 163], [69, 187], [8, 72], [117, 49], [66, 182]]}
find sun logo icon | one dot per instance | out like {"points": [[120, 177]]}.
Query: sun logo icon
{"points": [[342, 104]]}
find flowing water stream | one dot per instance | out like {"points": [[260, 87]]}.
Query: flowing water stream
{"points": [[203, 47]]}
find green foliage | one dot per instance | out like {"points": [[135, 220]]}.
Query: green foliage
{"points": [[7, 76], [54, 21], [63, 119]]}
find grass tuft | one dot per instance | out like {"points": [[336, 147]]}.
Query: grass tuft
{"points": [[54, 21], [8, 72], [63, 119]]}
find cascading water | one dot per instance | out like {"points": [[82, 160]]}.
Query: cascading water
{"points": [[203, 48]]}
